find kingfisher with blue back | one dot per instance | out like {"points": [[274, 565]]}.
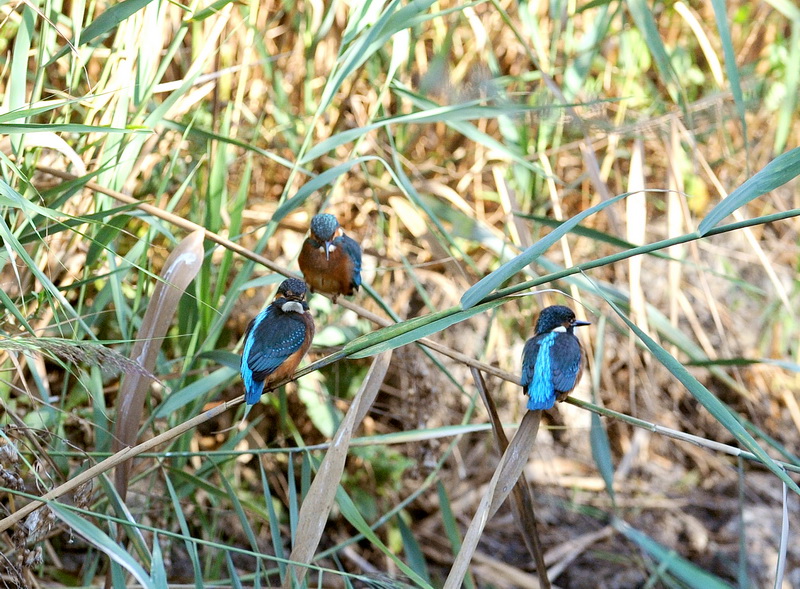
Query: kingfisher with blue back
{"points": [[276, 340], [553, 359], [330, 260]]}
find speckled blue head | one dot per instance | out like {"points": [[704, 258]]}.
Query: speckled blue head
{"points": [[556, 316], [324, 226], [292, 288]]}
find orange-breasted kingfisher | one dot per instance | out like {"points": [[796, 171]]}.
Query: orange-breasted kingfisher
{"points": [[552, 360], [276, 340], [330, 260]]}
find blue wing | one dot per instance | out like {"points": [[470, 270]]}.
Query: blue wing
{"points": [[271, 338], [536, 372], [568, 351], [352, 249]]}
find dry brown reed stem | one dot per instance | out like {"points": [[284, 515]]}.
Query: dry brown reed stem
{"points": [[250, 255]]}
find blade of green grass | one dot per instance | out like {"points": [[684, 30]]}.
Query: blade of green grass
{"points": [[489, 283], [778, 172], [684, 570], [720, 411], [100, 540]]}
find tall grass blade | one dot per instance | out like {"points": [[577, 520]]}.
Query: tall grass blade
{"points": [[783, 545], [643, 17], [788, 108], [158, 572], [353, 515], [720, 411], [601, 452], [191, 547], [724, 30]]}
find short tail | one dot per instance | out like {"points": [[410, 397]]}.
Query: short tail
{"points": [[541, 402], [253, 391]]}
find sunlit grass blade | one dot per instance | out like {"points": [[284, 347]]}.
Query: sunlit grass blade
{"points": [[778, 172], [18, 128], [486, 285]]}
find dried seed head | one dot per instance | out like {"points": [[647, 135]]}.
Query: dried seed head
{"points": [[83, 495], [8, 452], [32, 558], [11, 480], [38, 524]]}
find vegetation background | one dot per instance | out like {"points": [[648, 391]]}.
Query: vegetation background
{"points": [[448, 138]]}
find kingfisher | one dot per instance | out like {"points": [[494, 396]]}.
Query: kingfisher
{"points": [[330, 260], [552, 360], [276, 340]]}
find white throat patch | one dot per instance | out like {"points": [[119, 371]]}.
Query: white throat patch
{"points": [[292, 307], [560, 329]]}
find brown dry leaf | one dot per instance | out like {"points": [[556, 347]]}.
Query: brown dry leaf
{"points": [[505, 477], [319, 500], [179, 270]]}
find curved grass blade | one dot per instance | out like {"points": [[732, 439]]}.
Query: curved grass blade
{"points": [[505, 477], [318, 502], [719, 410], [179, 270], [100, 540], [778, 172], [687, 572], [488, 284]]}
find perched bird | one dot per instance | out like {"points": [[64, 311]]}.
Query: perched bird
{"points": [[330, 261], [552, 360], [276, 340]]}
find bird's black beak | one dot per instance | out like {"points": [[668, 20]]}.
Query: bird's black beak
{"points": [[328, 250], [577, 323]]}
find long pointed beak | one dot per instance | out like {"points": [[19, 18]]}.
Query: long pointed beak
{"points": [[328, 250], [577, 323]]}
